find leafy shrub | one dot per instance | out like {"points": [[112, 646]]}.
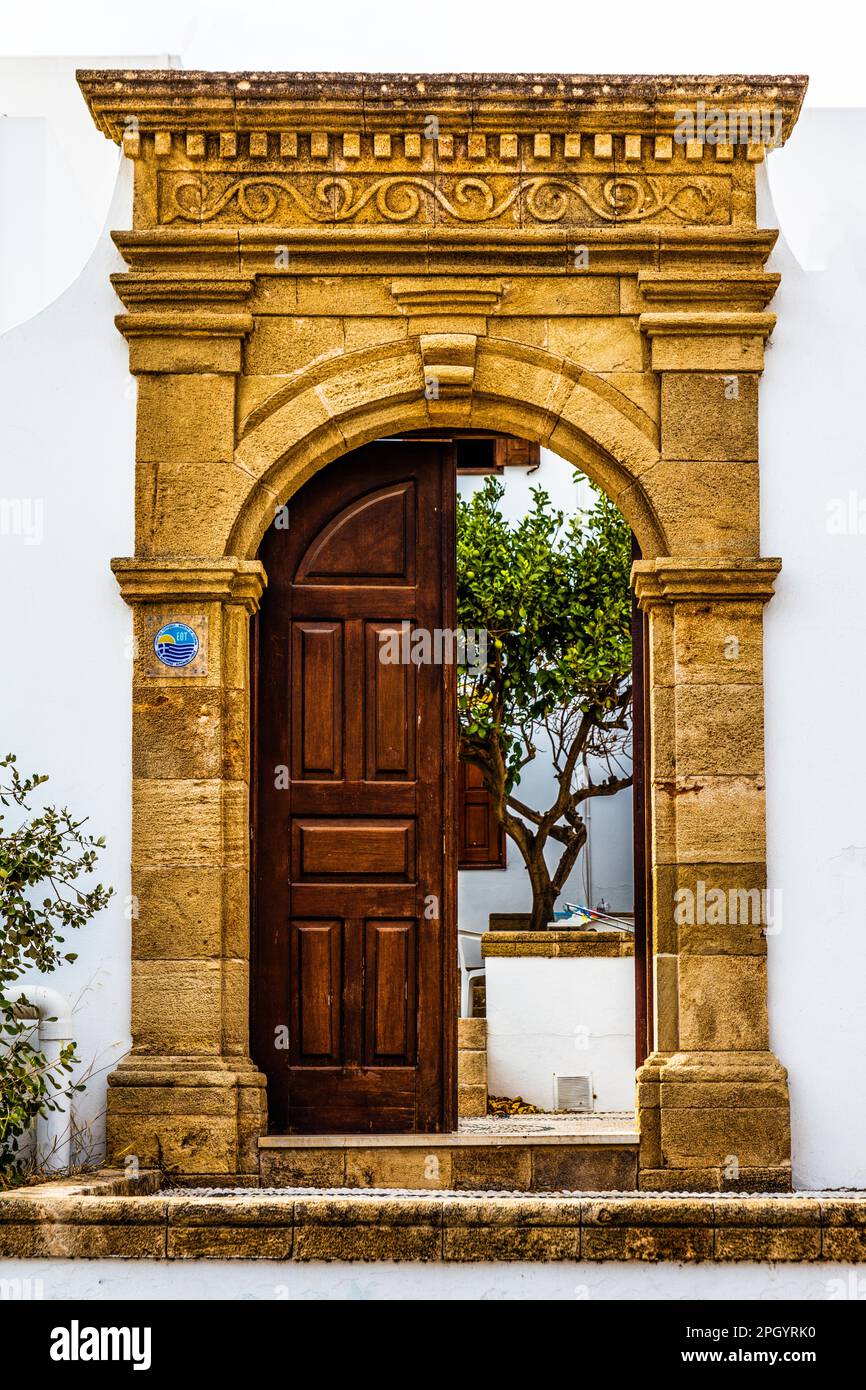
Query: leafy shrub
{"points": [[42, 856]]}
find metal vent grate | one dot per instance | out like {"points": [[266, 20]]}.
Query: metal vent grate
{"points": [[572, 1092]]}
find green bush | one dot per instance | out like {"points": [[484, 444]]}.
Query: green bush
{"points": [[42, 856]]}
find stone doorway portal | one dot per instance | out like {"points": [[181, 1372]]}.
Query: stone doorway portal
{"points": [[319, 261]]}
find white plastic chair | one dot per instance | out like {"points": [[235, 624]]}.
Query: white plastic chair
{"points": [[471, 967]]}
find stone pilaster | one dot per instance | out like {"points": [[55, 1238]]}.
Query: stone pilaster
{"points": [[712, 1098], [188, 1095]]}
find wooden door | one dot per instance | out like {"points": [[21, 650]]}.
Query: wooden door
{"points": [[354, 971], [480, 837]]}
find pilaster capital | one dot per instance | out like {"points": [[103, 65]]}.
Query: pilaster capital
{"points": [[184, 321], [180, 580], [668, 580], [704, 341]]}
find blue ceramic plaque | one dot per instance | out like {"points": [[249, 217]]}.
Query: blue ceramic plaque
{"points": [[176, 644]]}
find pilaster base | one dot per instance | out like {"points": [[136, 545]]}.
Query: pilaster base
{"points": [[714, 1121], [187, 1115]]}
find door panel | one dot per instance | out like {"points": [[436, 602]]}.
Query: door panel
{"points": [[354, 781], [316, 965], [390, 971], [346, 851], [318, 727], [390, 709], [373, 537]]}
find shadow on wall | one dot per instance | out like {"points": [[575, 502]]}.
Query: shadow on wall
{"points": [[63, 178]]}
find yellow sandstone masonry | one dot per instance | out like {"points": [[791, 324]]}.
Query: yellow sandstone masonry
{"points": [[304, 262]]}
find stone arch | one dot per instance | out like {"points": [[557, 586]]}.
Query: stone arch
{"points": [[350, 400]]}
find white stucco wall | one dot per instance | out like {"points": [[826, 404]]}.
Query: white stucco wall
{"points": [[66, 437], [813, 450], [569, 1017], [270, 1280], [57, 180]]}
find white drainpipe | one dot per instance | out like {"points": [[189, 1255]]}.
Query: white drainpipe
{"points": [[54, 1129]]}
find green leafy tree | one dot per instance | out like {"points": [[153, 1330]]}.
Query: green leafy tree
{"points": [[42, 857], [553, 595]]}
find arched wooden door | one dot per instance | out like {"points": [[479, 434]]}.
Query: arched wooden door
{"points": [[354, 945]]}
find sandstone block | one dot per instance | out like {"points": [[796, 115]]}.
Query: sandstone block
{"points": [[185, 419], [472, 1068], [284, 344], [303, 1167], [709, 416], [601, 344], [410, 1167], [177, 822], [493, 1167], [471, 1033], [720, 730], [178, 916], [722, 1003], [176, 730], [471, 1101], [718, 643], [583, 1168], [712, 1137], [706, 508], [177, 1011], [720, 818]]}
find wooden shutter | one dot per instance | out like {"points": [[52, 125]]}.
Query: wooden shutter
{"points": [[478, 453], [481, 839]]}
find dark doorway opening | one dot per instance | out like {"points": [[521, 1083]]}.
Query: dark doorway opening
{"points": [[355, 809]]}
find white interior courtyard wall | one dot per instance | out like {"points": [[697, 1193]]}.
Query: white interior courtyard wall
{"points": [[565, 1017]]}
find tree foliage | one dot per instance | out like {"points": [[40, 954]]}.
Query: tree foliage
{"points": [[553, 595], [42, 858]]}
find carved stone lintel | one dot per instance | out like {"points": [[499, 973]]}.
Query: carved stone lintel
{"points": [[247, 149]]}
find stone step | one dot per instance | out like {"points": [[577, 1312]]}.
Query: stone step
{"points": [[452, 1162], [116, 1215]]}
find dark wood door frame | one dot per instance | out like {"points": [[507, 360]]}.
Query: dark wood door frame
{"points": [[641, 832]]}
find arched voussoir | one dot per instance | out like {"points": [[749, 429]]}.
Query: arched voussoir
{"points": [[351, 400]]}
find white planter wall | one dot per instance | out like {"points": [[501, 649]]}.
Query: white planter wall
{"points": [[574, 1016]]}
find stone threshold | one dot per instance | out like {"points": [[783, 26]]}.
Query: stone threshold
{"points": [[465, 1162], [443, 1141], [114, 1216]]}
